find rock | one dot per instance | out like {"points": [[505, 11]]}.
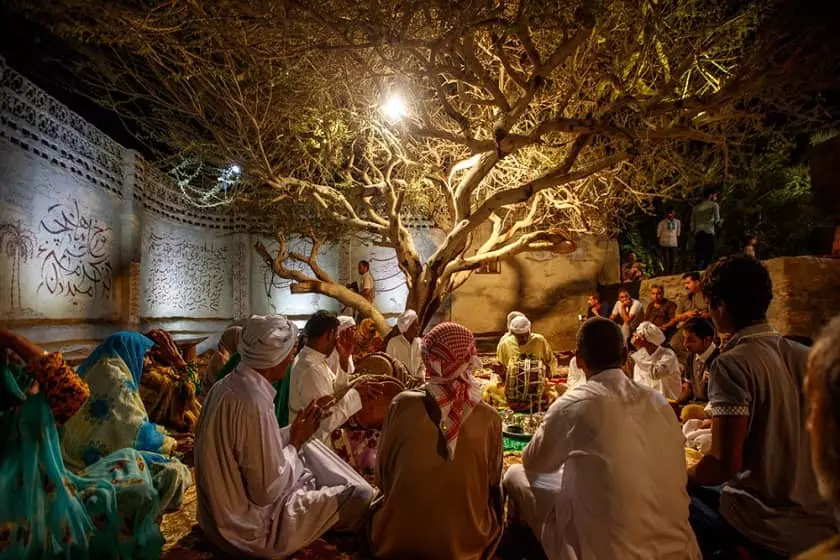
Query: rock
{"points": [[804, 293]]}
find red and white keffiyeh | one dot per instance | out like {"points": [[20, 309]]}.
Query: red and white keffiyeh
{"points": [[450, 357]]}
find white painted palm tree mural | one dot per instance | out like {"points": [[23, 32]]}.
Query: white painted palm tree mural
{"points": [[17, 242]]}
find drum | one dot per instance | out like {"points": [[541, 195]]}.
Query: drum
{"points": [[381, 363], [373, 415], [524, 384]]}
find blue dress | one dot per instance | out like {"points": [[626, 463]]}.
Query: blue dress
{"points": [[107, 510]]}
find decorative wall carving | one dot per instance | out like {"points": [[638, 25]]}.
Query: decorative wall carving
{"points": [[186, 272], [38, 123], [75, 252]]}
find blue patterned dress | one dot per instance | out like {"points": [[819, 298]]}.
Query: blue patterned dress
{"points": [[48, 512]]}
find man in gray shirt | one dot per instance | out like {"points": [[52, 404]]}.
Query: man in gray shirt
{"points": [[705, 220], [756, 489]]}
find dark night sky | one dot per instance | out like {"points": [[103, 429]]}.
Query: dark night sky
{"points": [[36, 53]]}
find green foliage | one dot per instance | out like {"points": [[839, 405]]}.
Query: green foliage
{"points": [[771, 198], [768, 195]]}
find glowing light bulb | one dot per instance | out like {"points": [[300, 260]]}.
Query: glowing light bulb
{"points": [[235, 169], [394, 109]]}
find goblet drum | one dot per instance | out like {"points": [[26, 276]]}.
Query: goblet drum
{"points": [[524, 384]]}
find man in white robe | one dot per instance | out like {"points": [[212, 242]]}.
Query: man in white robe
{"points": [[654, 365], [313, 379], [604, 476], [405, 347], [264, 491]]}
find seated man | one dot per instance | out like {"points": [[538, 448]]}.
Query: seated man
{"points": [[313, 380], [654, 365], [699, 340], [769, 500], [405, 347], [595, 307], [440, 461], [523, 344], [264, 491], [604, 476], [661, 311], [627, 312]]}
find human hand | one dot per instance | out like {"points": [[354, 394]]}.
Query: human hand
{"points": [[345, 342], [325, 403], [185, 442], [368, 391], [305, 425]]}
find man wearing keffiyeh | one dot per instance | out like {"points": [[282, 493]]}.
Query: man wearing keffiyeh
{"points": [[439, 456]]}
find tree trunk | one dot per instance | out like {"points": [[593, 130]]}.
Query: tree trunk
{"points": [[346, 296]]}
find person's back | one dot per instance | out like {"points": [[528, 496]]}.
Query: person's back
{"points": [[774, 500], [433, 506], [624, 479], [706, 216]]}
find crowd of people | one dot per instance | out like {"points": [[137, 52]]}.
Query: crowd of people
{"points": [[604, 476]]}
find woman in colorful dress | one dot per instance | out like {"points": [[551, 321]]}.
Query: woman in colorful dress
{"points": [[114, 418], [106, 511], [368, 340], [169, 385]]}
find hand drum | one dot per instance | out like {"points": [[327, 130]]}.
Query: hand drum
{"points": [[373, 415]]}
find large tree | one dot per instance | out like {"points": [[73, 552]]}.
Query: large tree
{"points": [[513, 125]]}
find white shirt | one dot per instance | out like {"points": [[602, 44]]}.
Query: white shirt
{"points": [[576, 375], [610, 455], [636, 312], [668, 232], [408, 353], [312, 379], [660, 371], [255, 493]]}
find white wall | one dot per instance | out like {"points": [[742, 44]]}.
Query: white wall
{"points": [[187, 271], [59, 241]]}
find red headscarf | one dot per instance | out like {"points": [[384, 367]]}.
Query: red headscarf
{"points": [[450, 357]]}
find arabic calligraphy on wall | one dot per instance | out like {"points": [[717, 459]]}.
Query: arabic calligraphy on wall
{"points": [[183, 275], [75, 253]]}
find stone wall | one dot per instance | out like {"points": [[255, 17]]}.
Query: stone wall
{"points": [[550, 289], [804, 293]]}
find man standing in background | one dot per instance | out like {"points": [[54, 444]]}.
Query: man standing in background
{"points": [[705, 220], [366, 285], [668, 233]]}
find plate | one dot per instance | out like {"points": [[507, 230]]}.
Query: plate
{"points": [[519, 436]]}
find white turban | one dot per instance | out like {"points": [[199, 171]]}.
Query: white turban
{"points": [[520, 325], [513, 315], [406, 320], [651, 333], [345, 322], [266, 341]]}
